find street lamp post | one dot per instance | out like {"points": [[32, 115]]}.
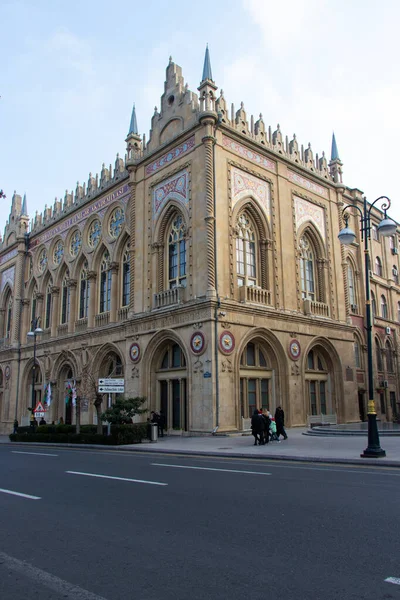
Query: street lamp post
{"points": [[33, 333], [347, 236]]}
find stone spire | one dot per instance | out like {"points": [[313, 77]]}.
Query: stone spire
{"points": [[24, 210], [335, 164], [207, 73], [133, 126]]}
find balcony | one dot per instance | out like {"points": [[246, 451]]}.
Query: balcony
{"points": [[46, 335], [102, 319], [123, 313], [170, 297], [316, 309], [254, 295], [62, 329], [81, 325]]}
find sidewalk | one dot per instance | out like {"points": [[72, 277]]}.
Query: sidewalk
{"points": [[340, 449]]}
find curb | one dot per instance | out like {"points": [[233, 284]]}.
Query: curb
{"points": [[277, 457]]}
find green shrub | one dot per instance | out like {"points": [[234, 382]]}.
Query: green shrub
{"points": [[120, 434]]}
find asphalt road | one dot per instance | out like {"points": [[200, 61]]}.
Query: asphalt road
{"points": [[178, 528]]}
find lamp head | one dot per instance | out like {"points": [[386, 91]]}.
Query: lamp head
{"points": [[346, 236], [387, 227], [31, 334], [38, 330]]}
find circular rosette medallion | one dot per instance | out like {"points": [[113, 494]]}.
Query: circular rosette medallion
{"points": [[197, 343], [226, 342], [294, 349], [134, 352]]}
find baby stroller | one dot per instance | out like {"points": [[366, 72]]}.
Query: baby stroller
{"points": [[273, 437]]}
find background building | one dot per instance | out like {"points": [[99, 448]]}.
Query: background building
{"points": [[206, 271]]}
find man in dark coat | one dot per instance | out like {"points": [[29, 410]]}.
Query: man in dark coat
{"points": [[280, 423], [257, 427]]}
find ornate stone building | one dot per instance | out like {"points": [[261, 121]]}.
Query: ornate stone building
{"points": [[206, 271]]}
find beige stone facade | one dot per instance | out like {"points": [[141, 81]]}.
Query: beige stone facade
{"points": [[205, 270]]}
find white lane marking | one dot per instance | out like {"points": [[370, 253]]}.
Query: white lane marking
{"points": [[209, 469], [35, 453], [12, 493], [394, 580], [62, 587], [118, 478]]}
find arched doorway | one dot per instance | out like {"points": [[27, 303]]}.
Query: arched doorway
{"points": [[66, 385], [169, 386], [258, 386], [319, 383], [112, 367]]}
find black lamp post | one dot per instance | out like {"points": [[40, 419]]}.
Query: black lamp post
{"points": [[33, 333], [386, 227]]}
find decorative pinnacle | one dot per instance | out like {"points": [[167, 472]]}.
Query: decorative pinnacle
{"points": [[133, 128], [24, 211], [207, 73], [334, 152]]}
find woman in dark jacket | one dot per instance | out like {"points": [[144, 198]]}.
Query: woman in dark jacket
{"points": [[280, 423], [257, 427]]}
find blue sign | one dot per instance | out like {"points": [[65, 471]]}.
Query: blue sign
{"points": [[207, 374]]}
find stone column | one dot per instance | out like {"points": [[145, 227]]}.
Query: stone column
{"points": [[208, 141], [72, 284], [91, 277], [114, 267], [25, 320], [55, 303]]}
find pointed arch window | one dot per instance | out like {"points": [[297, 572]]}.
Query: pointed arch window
{"points": [[84, 292], [373, 304], [389, 358], [379, 362], [34, 303], [9, 305], [307, 269], [351, 284], [318, 388], [357, 354], [384, 308], [378, 266], [65, 299], [47, 320], [246, 259], [126, 277], [105, 283], [395, 274], [177, 253]]}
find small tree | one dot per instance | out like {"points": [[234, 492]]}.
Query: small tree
{"points": [[123, 410]]}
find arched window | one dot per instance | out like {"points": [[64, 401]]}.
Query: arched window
{"points": [[47, 321], [1, 378], [84, 292], [317, 378], [395, 274], [357, 354], [351, 284], [105, 283], [389, 358], [373, 304], [246, 259], [8, 315], [177, 253], [384, 308], [378, 266], [65, 299], [173, 358], [255, 379], [307, 269], [126, 277], [379, 362], [34, 302]]}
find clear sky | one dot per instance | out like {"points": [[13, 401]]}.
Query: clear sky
{"points": [[71, 70]]}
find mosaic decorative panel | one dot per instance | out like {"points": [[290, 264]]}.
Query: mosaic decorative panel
{"points": [[8, 256], [307, 184], [121, 193], [244, 184], [249, 154], [170, 156], [7, 276], [307, 211], [176, 187]]}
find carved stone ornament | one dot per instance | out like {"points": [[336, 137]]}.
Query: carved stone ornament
{"points": [[197, 343], [197, 367], [227, 365], [295, 369], [226, 342], [135, 373], [294, 349]]}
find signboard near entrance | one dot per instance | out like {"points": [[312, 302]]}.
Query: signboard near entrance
{"points": [[39, 411], [111, 386]]}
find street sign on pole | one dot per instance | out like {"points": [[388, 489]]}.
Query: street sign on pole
{"points": [[111, 386]]}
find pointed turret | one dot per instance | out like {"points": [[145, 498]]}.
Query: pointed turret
{"points": [[207, 73], [335, 164], [24, 210], [207, 87], [334, 152], [133, 128]]}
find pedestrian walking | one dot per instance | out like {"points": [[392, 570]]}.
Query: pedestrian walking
{"points": [[280, 423], [161, 423], [258, 427], [16, 424]]}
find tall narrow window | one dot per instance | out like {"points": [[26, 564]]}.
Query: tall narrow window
{"points": [[105, 283], [389, 358], [357, 358], [177, 253], [246, 264], [379, 362], [375, 233], [398, 311], [34, 302], [384, 308], [352, 292], [9, 317], [395, 274], [378, 266], [373, 304], [65, 300], [48, 306], [126, 277], [84, 292], [307, 269]]}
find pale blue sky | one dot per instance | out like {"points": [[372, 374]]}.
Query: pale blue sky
{"points": [[70, 72]]}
